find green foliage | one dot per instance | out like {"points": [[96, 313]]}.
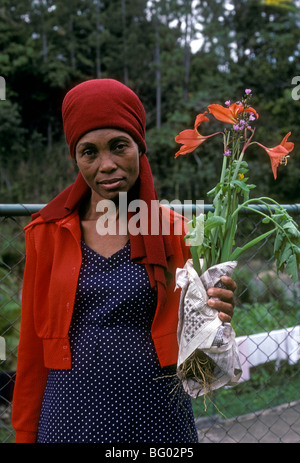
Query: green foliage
{"points": [[47, 47], [287, 245], [12, 134], [264, 317], [287, 239], [10, 308], [264, 301]]}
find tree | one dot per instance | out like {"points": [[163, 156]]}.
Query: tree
{"points": [[47, 46]]}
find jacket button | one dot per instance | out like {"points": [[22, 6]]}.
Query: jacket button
{"points": [[73, 270], [68, 306]]}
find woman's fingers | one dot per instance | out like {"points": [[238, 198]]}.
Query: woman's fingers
{"points": [[222, 299], [229, 282]]}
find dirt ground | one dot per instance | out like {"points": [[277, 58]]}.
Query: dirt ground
{"points": [[275, 425]]}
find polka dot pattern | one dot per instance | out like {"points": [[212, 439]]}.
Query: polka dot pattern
{"points": [[116, 391]]}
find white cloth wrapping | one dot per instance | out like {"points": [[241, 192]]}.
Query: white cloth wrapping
{"points": [[200, 328]]}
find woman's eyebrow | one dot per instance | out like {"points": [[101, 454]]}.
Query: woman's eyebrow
{"points": [[119, 138], [86, 144]]}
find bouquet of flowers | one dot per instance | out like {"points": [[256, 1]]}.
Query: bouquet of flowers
{"points": [[208, 356]]}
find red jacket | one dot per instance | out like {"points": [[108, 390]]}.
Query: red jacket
{"points": [[53, 260]]}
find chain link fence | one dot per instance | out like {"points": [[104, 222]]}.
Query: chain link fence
{"points": [[265, 405]]}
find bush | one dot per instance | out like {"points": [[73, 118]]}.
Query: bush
{"points": [[256, 318], [10, 308]]}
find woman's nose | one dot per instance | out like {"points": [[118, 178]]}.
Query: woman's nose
{"points": [[106, 162]]}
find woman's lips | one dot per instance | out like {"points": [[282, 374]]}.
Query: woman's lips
{"points": [[111, 184]]}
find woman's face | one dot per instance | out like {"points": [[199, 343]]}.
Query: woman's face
{"points": [[109, 162]]}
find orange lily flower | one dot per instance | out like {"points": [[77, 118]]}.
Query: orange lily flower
{"points": [[230, 115], [191, 139], [279, 154]]}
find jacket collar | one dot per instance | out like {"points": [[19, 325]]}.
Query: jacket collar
{"points": [[66, 202]]}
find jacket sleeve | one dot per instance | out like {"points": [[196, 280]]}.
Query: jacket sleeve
{"points": [[165, 322], [31, 374]]}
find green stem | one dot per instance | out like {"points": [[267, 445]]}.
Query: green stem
{"points": [[236, 149], [217, 203], [238, 251], [196, 260], [269, 206], [237, 167], [231, 223], [247, 144], [243, 206]]}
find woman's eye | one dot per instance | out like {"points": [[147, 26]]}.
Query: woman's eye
{"points": [[120, 147], [88, 153]]}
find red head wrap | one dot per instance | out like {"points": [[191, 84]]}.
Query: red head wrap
{"points": [[102, 103]]}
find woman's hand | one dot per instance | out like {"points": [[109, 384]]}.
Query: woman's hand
{"points": [[225, 302]]}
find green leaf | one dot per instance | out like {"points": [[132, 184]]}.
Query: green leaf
{"points": [[213, 222], [195, 258], [215, 190], [278, 217], [278, 242], [239, 250], [296, 248], [211, 192], [284, 255], [291, 229], [240, 184], [291, 267]]}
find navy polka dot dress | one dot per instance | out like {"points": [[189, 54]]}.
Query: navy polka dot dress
{"points": [[116, 391]]}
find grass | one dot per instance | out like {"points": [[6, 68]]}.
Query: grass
{"points": [[7, 435], [267, 388], [264, 317]]}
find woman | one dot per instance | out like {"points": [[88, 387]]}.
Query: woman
{"points": [[98, 339]]}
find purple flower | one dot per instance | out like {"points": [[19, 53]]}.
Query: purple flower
{"points": [[227, 103], [251, 117], [227, 153], [237, 127], [248, 91]]}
